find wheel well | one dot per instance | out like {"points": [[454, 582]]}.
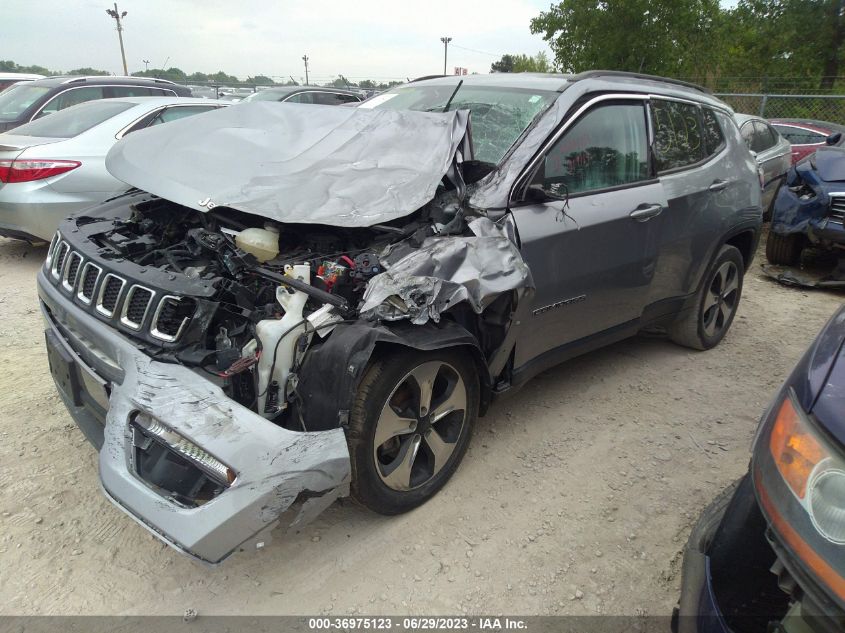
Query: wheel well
{"points": [[744, 242], [384, 347]]}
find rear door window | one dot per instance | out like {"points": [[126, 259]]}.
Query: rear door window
{"points": [[764, 137], [799, 136], [333, 98], [607, 147], [72, 97], [678, 139], [302, 97]]}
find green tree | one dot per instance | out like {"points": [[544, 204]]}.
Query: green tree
{"points": [[88, 71], [539, 63], [261, 80], [504, 65], [664, 37]]}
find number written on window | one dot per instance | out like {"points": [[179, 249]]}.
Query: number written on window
{"points": [[677, 134]]}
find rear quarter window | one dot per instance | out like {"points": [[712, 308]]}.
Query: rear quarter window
{"points": [[714, 136]]}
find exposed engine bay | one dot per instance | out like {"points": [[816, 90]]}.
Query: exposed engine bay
{"points": [[252, 294]]}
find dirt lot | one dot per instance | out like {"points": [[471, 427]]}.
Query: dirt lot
{"points": [[576, 495]]}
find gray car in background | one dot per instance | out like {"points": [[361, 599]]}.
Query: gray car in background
{"points": [[28, 101], [304, 94], [772, 152], [299, 303], [55, 166]]}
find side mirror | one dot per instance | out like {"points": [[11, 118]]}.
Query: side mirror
{"points": [[535, 193], [834, 138]]}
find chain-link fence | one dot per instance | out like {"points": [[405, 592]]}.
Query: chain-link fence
{"points": [[788, 106]]}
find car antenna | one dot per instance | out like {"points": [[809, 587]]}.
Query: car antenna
{"points": [[449, 102]]}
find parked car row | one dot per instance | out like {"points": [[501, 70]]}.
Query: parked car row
{"points": [[35, 99], [54, 166]]}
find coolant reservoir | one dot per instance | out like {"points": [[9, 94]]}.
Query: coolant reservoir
{"points": [[278, 340], [263, 243]]}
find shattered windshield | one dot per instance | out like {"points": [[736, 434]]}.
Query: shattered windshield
{"points": [[499, 115]]}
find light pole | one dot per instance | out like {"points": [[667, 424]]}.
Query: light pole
{"points": [[305, 59], [445, 41], [146, 64], [117, 17]]}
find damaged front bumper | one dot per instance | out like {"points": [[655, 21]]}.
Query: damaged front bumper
{"points": [[280, 477], [739, 578]]}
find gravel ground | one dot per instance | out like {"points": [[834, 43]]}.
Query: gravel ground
{"points": [[576, 495]]}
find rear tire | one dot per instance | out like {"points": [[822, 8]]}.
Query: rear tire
{"points": [[409, 426], [706, 324], [784, 250]]}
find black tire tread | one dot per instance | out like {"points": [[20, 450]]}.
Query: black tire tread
{"points": [[783, 250], [686, 330], [384, 370]]}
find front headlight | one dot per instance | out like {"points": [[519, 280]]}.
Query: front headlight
{"points": [[826, 500], [813, 472], [799, 479]]}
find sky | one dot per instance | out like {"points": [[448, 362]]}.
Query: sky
{"points": [[360, 39]]}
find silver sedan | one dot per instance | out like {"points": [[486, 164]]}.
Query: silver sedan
{"points": [[772, 152], [54, 167]]}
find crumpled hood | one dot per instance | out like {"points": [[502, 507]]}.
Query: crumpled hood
{"points": [[297, 163]]}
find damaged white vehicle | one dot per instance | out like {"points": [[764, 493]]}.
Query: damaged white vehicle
{"points": [[298, 303]]}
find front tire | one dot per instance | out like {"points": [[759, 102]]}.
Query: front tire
{"points": [[410, 426], [704, 326], [784, 250]]}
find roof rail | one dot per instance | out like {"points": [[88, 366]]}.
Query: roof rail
{"points": [[620, 73], [79, 79]]}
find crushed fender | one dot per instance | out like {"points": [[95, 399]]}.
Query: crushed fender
{"points": [[420, 284]]}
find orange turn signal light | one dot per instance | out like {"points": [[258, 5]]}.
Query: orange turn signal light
{"points": [[794, 449]]}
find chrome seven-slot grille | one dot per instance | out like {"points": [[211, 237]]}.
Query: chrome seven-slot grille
{"points": [[110, 295], [837, 209]]}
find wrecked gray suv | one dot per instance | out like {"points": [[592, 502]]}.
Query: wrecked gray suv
{"points": [[299, 303]]}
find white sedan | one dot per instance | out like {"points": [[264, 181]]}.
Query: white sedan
{"points": [[54, 166]]}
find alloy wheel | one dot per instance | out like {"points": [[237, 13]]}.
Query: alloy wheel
{"points": [[419, 425], [721, 299]]}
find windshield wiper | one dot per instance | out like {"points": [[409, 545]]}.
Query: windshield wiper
{"points": [[449, 102]]}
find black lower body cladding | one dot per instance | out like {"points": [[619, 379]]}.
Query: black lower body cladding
{"points": [[326, 392]]}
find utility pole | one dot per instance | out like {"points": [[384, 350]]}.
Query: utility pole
{"points": [[305, 59], [146, 64], [117, 17], [445, 41]]}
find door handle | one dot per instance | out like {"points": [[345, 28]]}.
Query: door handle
{"points": [[718, 185], [646, 212]]}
